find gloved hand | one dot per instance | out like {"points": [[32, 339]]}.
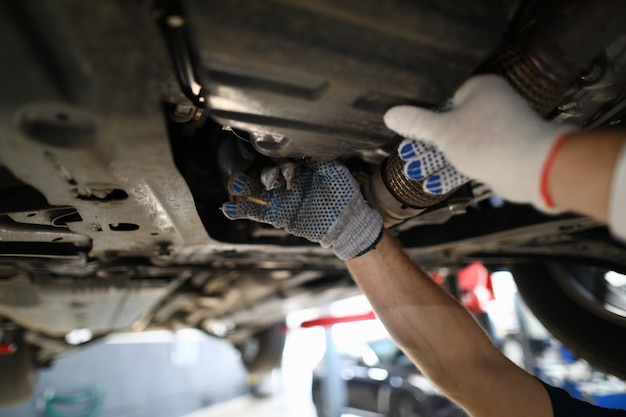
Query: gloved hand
{"points": [[491, 134], [319, 201], [423, 161]]}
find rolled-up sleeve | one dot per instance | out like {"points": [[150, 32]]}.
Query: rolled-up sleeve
{"points": [[617, 203], [564, 405]]}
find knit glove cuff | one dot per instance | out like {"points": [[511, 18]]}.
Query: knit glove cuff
{"points": [[357, 231]]}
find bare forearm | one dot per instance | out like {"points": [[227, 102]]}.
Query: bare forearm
{"points": [[438, 334], [417, 313], [582, 173]]}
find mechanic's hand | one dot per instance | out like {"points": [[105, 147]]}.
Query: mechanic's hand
{"points": [[491, 134], [319, 201]]}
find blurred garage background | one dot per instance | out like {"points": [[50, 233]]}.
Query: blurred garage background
{"points": [[337, 360]]}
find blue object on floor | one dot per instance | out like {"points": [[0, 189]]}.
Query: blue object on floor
{"points": [[91, 397]]}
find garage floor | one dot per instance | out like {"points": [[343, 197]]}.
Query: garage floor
{"points": [[288, 388], [278, 405]]}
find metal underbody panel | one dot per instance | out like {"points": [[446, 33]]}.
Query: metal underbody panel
{"points": [[98, 306], [113, 114], [314, 78]]}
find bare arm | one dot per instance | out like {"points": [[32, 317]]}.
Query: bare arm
{"points": [[443, 339], [581, 175]]}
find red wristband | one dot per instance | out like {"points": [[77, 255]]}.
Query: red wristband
{"points": [[545, 171]]}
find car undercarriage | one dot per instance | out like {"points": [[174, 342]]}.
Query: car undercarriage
{"points": [[121, 121]]}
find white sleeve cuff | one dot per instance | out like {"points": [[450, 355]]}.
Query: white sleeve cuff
{"points": [[617, 203]]}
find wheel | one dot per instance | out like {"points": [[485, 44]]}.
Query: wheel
{"points": [[263, 351], [583, 306], [405, 405], [318, 401], [17, 375]]}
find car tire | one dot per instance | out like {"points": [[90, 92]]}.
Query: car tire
{"points": [[560, 296], [404, 404], [264, 350], [318, 401], [17, 375]]}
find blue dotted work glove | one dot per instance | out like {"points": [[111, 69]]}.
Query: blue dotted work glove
{"points": [[423, 162], [491, 134], [319, 201]]}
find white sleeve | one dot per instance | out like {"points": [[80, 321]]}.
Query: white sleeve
{"points": [[617, 204]]}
